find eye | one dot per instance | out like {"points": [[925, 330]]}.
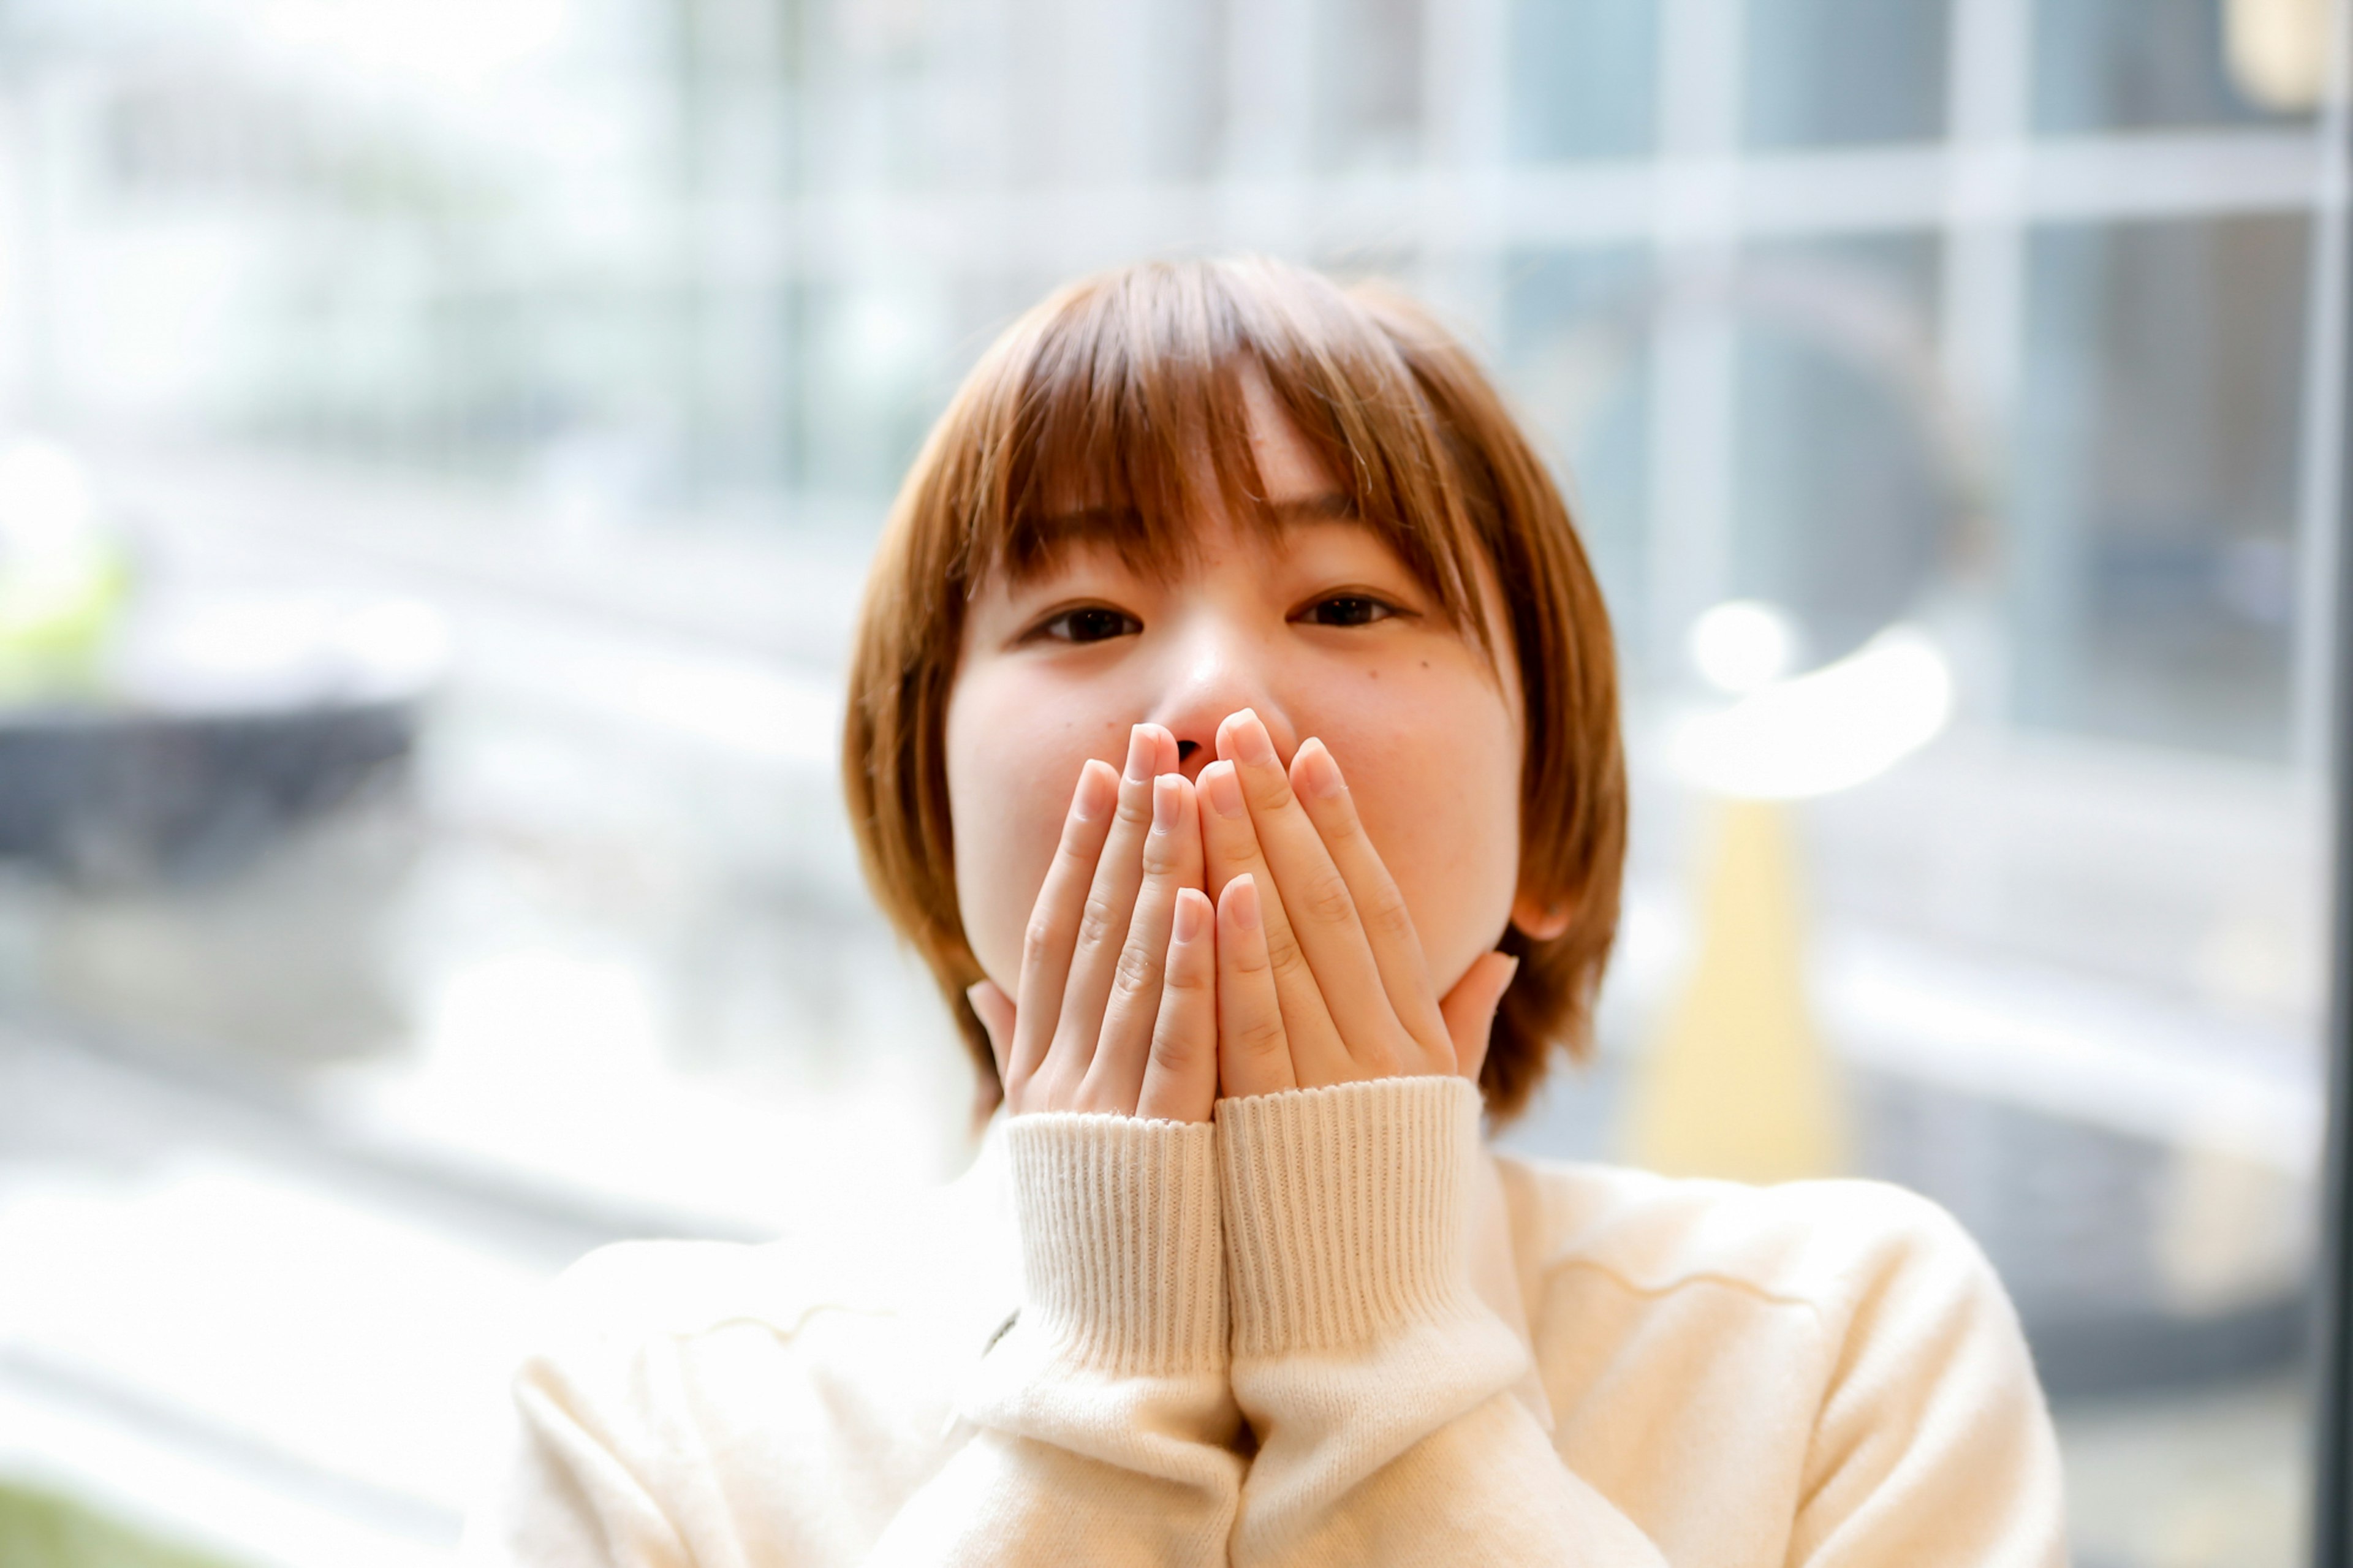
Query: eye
{"points": [[1347, 610], [1087, 623]]}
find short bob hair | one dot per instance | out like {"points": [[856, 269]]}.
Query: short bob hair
{"points": [[1114, 406]]}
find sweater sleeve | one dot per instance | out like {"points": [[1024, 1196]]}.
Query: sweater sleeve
{"points": [[1102, 1421], [1378, 1384]]}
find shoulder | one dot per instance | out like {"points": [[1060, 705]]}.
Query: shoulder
{"points": [[1828, 1245], [633, 1291], [609, 1308]]}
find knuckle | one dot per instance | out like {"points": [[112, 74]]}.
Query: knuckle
{"points": [[1327, 900], [1387, 916], [1172, 1053], [1095, 922], [1073, 857], [1268, 787], [1136, 969], [1260, 1038], [1041, 936], [1282, 954]]}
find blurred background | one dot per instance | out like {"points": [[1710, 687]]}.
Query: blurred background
{"points": [[440, 444]]}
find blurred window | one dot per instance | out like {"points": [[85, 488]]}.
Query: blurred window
{"points": [[1576, 339], [552, 363], [1825, 72], [2157, 482], [2144, 65], [1847, 506], [1583, 79], [1366, 73]]}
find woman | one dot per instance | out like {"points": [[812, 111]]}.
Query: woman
{"points": [[1233, 729]]}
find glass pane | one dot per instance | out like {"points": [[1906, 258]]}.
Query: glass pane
{"points": [[2133, 65], [1583, 79], [2156, 485], [1367, 81], [1824, 72], [1841, 504], [1576, 355], [421, 849]]}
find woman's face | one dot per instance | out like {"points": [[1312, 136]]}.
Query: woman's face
{"points": [[1320, 628]]}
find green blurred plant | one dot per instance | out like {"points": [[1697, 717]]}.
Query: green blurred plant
{"points": [[47, 1530], [64, 580]]}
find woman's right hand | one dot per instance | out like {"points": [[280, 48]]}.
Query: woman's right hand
{"points": [[1117, 1010]]}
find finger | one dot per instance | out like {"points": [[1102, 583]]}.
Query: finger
{"points": [[1053, 927], [1387, 925], [1470, 1009], [1172, 860], [1231, 850], [994, 1008], [1103, 917], [1322, 912], [1255, 1056], [1180, 1084]]}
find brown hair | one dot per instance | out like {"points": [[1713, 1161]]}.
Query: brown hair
{"points": [[1103, 401]]}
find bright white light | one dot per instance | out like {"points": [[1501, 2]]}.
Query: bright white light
{"points": [[880, 337], [396, 649], [1743, 644], [45, 498], [263, 653], [1827, 730], [452, 41]]}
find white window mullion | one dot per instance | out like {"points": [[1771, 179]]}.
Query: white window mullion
{"points": [[1693, 381]]}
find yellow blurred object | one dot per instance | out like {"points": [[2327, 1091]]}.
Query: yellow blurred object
{"points": [[56, 613], [1737, 1083], [64, 577], [2279, 50]]}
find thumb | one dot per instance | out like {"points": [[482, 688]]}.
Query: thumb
{"points": [[1470, 1009], [995, 1010]]}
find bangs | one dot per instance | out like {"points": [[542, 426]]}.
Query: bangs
{"points": [[1115, 417]]}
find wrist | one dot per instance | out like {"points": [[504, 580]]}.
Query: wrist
{"points": [[1122, 1255], [1345, 1211]]}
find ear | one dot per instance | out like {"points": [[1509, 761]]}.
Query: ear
{"points": [[1541, 919], [1470, 1009], [995, 1010]]}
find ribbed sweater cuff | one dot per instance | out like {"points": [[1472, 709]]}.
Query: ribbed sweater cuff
{"points": [[1344, 1210], [1120, 1239]]}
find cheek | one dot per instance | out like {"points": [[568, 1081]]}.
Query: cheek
{"points": [[1013, 758], [1434, 765]]}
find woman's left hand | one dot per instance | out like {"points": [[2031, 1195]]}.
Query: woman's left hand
{"points": [[1321, 976]]}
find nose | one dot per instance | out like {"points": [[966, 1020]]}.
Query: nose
{"points": [[1214, 671]]}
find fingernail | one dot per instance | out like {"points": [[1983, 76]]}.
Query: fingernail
{"points": [[1318, 774], [1140, 749], [1250, 741], [1167, 794], [1224, 790], [1097, 787], [1190, 905], [1244, 892]]}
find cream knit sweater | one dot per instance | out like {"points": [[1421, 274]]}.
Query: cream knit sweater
{"points": [[1329, 1327]]}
